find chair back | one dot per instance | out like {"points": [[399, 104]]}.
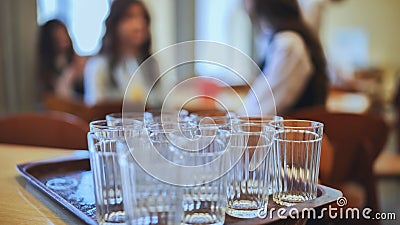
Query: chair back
{"points": [[100, 110], [60, 104], [47, 129], [86, 112]]}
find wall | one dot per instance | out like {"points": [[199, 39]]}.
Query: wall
{"points": [[17, 42], [162, 22], [379, 20]]}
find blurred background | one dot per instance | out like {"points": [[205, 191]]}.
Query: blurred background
{"points": [[359, 36], [360, 39]]}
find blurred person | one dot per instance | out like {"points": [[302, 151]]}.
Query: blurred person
{"points": [[125, 45], [294, 64], [60, 69]]}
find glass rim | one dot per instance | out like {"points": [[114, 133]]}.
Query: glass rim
{"points": [[254, 124], [181, 112], [313, 124], [104, 125], [258, 119], [217, 120], [120, 114], [177, 124], [317, 138], [207, 128], [297, 141]]}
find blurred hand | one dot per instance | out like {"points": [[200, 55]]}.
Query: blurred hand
{"points": [[78, 66], [65, 83]]}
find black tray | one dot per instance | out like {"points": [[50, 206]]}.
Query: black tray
{"points": [[69, 182]]}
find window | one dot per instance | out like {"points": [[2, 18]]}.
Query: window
{"points": [[84, 20], [223, 21]]}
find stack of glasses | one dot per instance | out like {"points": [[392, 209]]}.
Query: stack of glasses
{"points": [[176, 168]]}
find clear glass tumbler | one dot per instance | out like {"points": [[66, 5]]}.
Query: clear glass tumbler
{"points": [[248, 180], [264, 120], [297, 150], [196, 192], [204, 197], [147, 200], [104, 141]]}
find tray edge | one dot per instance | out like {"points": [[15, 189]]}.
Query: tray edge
{"points": [[22, 169]]}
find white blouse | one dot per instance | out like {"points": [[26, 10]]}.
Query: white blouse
{"points": [[288, 70], [97, 81]]}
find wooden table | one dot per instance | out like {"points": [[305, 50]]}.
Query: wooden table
{"points": [[21, 203]]}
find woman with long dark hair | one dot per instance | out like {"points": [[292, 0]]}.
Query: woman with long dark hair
{"points": [[126, 44], [294, 65], [60, 69]]}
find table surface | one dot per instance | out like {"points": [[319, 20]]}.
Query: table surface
{"points": [[22, 203]]}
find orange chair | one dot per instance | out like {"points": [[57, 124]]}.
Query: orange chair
{"points": [[47, 129], [60, 104], [100, 110]]}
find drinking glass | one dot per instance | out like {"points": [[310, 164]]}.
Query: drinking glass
{"points": [[204, 195], [147, 200], [264, 120], [104, 141], [162, 142], [199, 197], [205, 202], [297, 150], [248, 180]]}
